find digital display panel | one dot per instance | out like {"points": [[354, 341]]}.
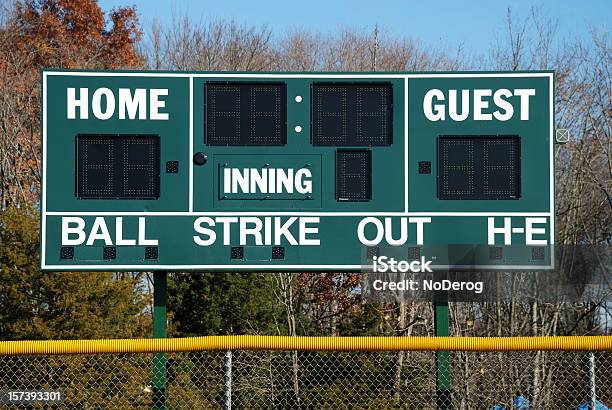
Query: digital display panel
{"points": [[245, 114], [117, 166], [355, 114], [353, 175], [479, 167]]}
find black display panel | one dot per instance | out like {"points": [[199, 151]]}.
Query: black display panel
{"points": [[479, 167], [245, 114], [353, 175], [354, 114], [117, 166]]}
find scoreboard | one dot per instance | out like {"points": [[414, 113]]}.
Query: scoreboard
{"points": [[296, 171]]}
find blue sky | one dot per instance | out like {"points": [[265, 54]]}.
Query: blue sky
{"points": [[473, 23]]}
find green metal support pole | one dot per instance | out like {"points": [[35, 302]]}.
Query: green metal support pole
{"points": [[443, 365], [160, 297]]}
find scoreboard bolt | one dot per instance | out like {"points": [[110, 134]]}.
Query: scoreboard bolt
{"points": [[200, 158]]}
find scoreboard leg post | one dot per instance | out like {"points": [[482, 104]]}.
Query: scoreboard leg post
{"points": [[443, 368], [159, 331]]}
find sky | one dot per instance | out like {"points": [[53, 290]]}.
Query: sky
{"points": [[473, 24]]}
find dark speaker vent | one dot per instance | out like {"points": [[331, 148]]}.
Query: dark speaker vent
{"points": [[66, 252], [172, 167], [151, 252], [110, 252], [371, 252], [496, 253], [237, 253], [537, 253], [414, 253], [278, 252]]}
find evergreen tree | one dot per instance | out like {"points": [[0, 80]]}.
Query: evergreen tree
{"points": [[59, 305], [224, 303]]}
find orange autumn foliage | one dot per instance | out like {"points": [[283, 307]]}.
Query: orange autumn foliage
{"points": [[74, 34], [50, 34]]}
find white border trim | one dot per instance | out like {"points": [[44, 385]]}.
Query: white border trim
{"points": [[43, 222], [551, 201], [273, 267], [300, 213], [550, 214], [406, 182], [293, 75], [189, 159]]}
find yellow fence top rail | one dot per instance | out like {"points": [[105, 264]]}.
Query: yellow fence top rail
{"points": [[379, 343]]}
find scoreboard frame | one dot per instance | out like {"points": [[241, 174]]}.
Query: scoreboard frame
{"points": [[404, 210]]}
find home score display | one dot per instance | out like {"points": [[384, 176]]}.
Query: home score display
{"points": [[296, 171]]}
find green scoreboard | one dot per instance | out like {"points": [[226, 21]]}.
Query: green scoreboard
{"points": [[296, 171]]}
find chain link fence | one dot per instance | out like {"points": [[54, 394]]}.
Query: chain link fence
{"points": [[317, 380]]}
